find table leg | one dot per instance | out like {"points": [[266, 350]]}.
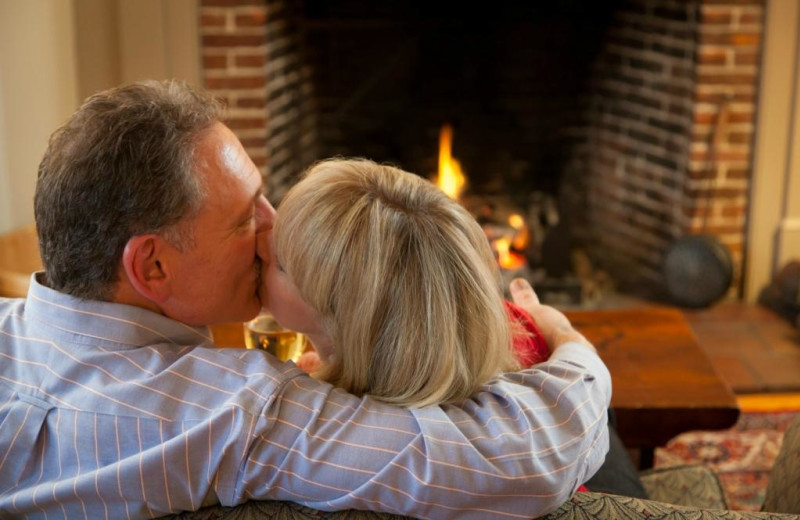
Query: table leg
{"points": [[646, 457]]}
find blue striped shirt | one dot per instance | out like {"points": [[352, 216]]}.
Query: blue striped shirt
{"points": [[112, 411]]}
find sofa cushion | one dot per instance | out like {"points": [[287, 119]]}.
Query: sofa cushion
{"points": [[689, 485], [585, 506], [582, 506], [783, 490]]}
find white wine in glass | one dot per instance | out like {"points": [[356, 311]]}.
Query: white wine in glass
{"points": [[265, 333]]}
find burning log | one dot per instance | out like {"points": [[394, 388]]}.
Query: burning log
{"points": [[518, 235]]}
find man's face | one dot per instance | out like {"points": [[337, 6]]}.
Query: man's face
{"points": [[216, 279]]}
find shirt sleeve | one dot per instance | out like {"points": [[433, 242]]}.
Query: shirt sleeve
{"points": [[518, 449]]}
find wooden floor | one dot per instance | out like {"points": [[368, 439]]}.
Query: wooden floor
{"points": [[753, 349]]}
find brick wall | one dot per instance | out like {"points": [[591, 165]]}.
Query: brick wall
{"points": [[727, 74], [251, 61], [233, 50], [666, 69]]}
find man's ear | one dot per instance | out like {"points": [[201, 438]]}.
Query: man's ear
{"points": [[143, 264]]}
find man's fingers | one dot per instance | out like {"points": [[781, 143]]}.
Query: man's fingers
{"points": [[522, 294]]}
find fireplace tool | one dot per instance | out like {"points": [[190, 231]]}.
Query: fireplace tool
{"points": [[698, 268]]}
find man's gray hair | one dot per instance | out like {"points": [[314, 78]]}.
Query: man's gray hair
{"points": [[121, 166]]}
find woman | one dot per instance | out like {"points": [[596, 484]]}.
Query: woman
{"points": [[394, 283]]}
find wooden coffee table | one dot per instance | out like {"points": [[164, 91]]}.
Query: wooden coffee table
{"points": [[663, 382]]}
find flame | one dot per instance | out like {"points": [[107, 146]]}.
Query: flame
{"points": [[521, 236], [451, 179], [506, 258]]}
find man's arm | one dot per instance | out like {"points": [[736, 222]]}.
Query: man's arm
{"points": [[518, 449]]}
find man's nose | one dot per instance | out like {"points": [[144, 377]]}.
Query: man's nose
{"points": [[265, 215]]}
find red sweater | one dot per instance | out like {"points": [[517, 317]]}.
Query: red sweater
{"points": [[530, 347]]}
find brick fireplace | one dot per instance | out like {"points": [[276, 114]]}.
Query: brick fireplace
{"points": [[614, 109]]}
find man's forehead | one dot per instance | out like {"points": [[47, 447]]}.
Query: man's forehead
{"points": [[221, 154], [235, 160]]}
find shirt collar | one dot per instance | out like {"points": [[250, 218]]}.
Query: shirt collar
{"points": [[125, 324]]}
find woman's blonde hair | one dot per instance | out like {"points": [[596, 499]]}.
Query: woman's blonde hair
{"points": [[403, 278]]}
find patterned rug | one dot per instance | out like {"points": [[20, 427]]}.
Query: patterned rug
{"points": [[742, 456]]}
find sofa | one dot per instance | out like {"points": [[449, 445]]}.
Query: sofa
{"points": [[690, 492], [19, 257]]}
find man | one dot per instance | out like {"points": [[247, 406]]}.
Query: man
{"points": [[115, 404]]}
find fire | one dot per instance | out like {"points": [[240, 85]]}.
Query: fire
{"points": [[522, 236], [511, 242], [506, 258], [450, 179]]}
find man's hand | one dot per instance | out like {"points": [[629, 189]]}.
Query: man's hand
{"points": [[555, 327]]}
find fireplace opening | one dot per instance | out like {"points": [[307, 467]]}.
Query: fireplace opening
{"points": [[511, 84]]}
